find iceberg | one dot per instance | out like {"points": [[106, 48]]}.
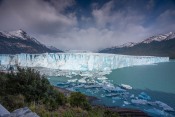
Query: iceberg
{"points": [[126, 86], [164, 106], [126, 102], [139, 101], [144, 96], [158, 113], [77, 61], [72, 80]]}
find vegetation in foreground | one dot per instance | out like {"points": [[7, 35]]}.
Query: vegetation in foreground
{"points": [[28, 88]]}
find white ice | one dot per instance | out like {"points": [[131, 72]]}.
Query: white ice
{"points": [[78, 61]]}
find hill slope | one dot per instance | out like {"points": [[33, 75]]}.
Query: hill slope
{"points": [[161, 45], [16, 42]]}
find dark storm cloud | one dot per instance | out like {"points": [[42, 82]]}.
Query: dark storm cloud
{"points": [[88, 25], [37, 15]]}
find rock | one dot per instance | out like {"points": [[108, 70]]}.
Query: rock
{"points": [[22, 112], [3, 111]]}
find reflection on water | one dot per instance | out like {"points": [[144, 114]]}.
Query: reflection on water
{"points": [[153, 87]]}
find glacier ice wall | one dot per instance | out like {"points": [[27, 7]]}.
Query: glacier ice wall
{"points": [[78, 61]]}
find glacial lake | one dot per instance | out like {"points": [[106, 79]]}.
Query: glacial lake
{"points": [[157, 81]]}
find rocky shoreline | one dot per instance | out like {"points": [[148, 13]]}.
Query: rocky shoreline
{"points": [[122, 112]]}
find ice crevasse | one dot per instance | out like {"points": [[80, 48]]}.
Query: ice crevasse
{"points": [[78, 61]]}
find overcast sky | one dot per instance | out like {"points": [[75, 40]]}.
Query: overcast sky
{"points": [[88, 24]]}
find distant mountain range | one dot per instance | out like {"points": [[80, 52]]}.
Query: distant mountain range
{"points": [[19, 41], [160, 45]]}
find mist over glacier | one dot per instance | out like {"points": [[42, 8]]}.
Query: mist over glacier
{"points": [[78, 61]]}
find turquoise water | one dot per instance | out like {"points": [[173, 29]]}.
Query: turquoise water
{"points": [[157, 81], [159, 77]]}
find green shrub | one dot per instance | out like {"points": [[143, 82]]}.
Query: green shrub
{"points": [[79, 100], [32, 86]]}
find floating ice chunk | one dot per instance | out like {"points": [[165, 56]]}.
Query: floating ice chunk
{"points": [[144, 96], [62, 83], [89, 91], [92, 86], [90, 81], [82, 80], [152, 103], [155, 111], [86, 74], [102, 95], [96, 91], [102, 78], [123, 94], [126, 102], [107, 86], [164, 106], [139, 101], [73, 73], [116, 98], [118, 89], [132, 96], [68, 76], [112, 94], [126, 86], [113, 101], [104, 72], [72, 80], [159, 113]]}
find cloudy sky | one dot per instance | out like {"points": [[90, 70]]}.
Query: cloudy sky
{"points": [[88, 24]]}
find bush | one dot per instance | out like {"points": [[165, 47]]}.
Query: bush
{"points": [[32, 86], [79, 100]]}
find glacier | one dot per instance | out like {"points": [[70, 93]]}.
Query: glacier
{"points": [[77, 61]]}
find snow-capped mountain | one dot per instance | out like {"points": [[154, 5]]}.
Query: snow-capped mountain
{"points": [[53, 48], [19, 41], [160, 45], [77, 51], [130, 44], [159, 38], [18, 34]]}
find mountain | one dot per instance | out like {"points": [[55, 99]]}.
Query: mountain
{"points": [[160, 45], [19, 41], [53, 48]]}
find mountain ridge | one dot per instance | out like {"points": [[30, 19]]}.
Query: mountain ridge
{"points": [[16, 42], [160, 45]]}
